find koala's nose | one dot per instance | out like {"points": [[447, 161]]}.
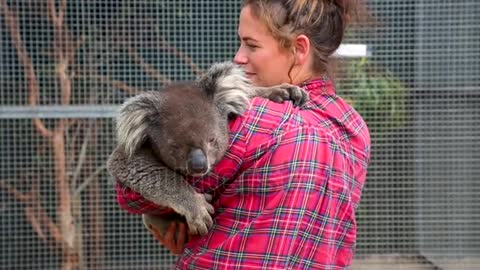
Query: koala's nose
{"points": [[197, 162]]}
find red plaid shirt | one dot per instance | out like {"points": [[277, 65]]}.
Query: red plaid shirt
{"points": [[287, 189]]}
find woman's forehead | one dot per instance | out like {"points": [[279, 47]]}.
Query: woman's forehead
{"points": [[251, 27]]}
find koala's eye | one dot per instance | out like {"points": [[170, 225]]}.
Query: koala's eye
{"points": [[212, 140]]}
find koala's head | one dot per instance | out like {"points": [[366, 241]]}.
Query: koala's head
{"points": [[181, 125]]}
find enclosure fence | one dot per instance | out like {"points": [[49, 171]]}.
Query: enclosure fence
{"points": [[66, 66]]}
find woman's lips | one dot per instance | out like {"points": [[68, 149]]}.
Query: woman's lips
{"points": [[249, 74]]}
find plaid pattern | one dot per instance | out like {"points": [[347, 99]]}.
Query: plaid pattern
{"points": [[286, 192]]}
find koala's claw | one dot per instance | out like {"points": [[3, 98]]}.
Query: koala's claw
{"points": [[198, 218], [287, 91], [208, 197], [296, 94]]}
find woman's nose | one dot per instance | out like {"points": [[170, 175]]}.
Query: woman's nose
{"points": [[240, 57]]}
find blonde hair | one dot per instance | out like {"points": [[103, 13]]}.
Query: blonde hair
{"points": [[322, 21]]}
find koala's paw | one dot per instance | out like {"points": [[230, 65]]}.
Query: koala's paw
{"points": [[287, 91], [198, 218]]}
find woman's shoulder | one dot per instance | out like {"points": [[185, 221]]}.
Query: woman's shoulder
{"points": [[263, 119]]}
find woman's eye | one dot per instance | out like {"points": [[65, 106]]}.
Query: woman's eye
{"points": [[252, 46]]}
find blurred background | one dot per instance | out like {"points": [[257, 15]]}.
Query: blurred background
{"points": [[66, 65]]}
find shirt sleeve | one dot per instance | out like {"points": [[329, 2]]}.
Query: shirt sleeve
{"points": [[225, 170], [134, 203]]}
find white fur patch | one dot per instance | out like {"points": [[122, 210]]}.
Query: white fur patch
{"points": [[234, 89], [132, 121]]}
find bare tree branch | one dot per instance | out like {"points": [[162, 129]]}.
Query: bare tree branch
{"points": [[63, 10], [12, 21], [166, 45], [32, 218], [149, 69], [34, 210], [106, 79], [14, 192], [89, 179], [64, 234], [81, 156]]}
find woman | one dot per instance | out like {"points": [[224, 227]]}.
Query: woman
{"points": [[286, 192]]}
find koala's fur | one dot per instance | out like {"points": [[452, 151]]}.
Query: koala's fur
{"points": [[183, 130]]}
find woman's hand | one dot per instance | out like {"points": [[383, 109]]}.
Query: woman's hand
{"points": [[174, 238]]}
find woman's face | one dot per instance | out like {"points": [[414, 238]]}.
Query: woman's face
{"points": [[260, 54]]}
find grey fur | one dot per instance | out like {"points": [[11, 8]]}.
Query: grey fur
{"points": [[132, 120], [183, 130]]}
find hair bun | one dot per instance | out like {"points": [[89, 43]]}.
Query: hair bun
{"points": [[354, 11]]}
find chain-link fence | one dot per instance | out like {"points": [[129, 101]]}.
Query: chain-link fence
{"points": [[65, 65]]}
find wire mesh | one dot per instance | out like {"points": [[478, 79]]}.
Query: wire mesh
{"points": [[419, 90]]}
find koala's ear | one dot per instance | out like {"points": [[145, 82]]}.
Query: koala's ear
{"points": [[230, 89], [135, 117]]}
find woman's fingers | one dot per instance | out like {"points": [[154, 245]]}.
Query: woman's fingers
{"points": [[169, 239], [182, 235]]}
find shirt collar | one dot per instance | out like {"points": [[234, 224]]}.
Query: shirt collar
{"points": [[319, 86]]}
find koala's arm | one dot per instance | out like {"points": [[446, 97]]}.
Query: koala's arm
{"points": [[139, 173], [280, 93], [144, 174]]}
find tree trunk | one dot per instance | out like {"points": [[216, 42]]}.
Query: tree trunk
{"points": [[64, 210]]}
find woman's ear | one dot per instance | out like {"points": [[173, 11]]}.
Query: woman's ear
{"points": [[302, 49]]}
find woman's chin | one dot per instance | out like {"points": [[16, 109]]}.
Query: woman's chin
{"points": [[254, 79]]}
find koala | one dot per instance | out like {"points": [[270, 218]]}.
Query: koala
{"points": [[181, 131]]}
